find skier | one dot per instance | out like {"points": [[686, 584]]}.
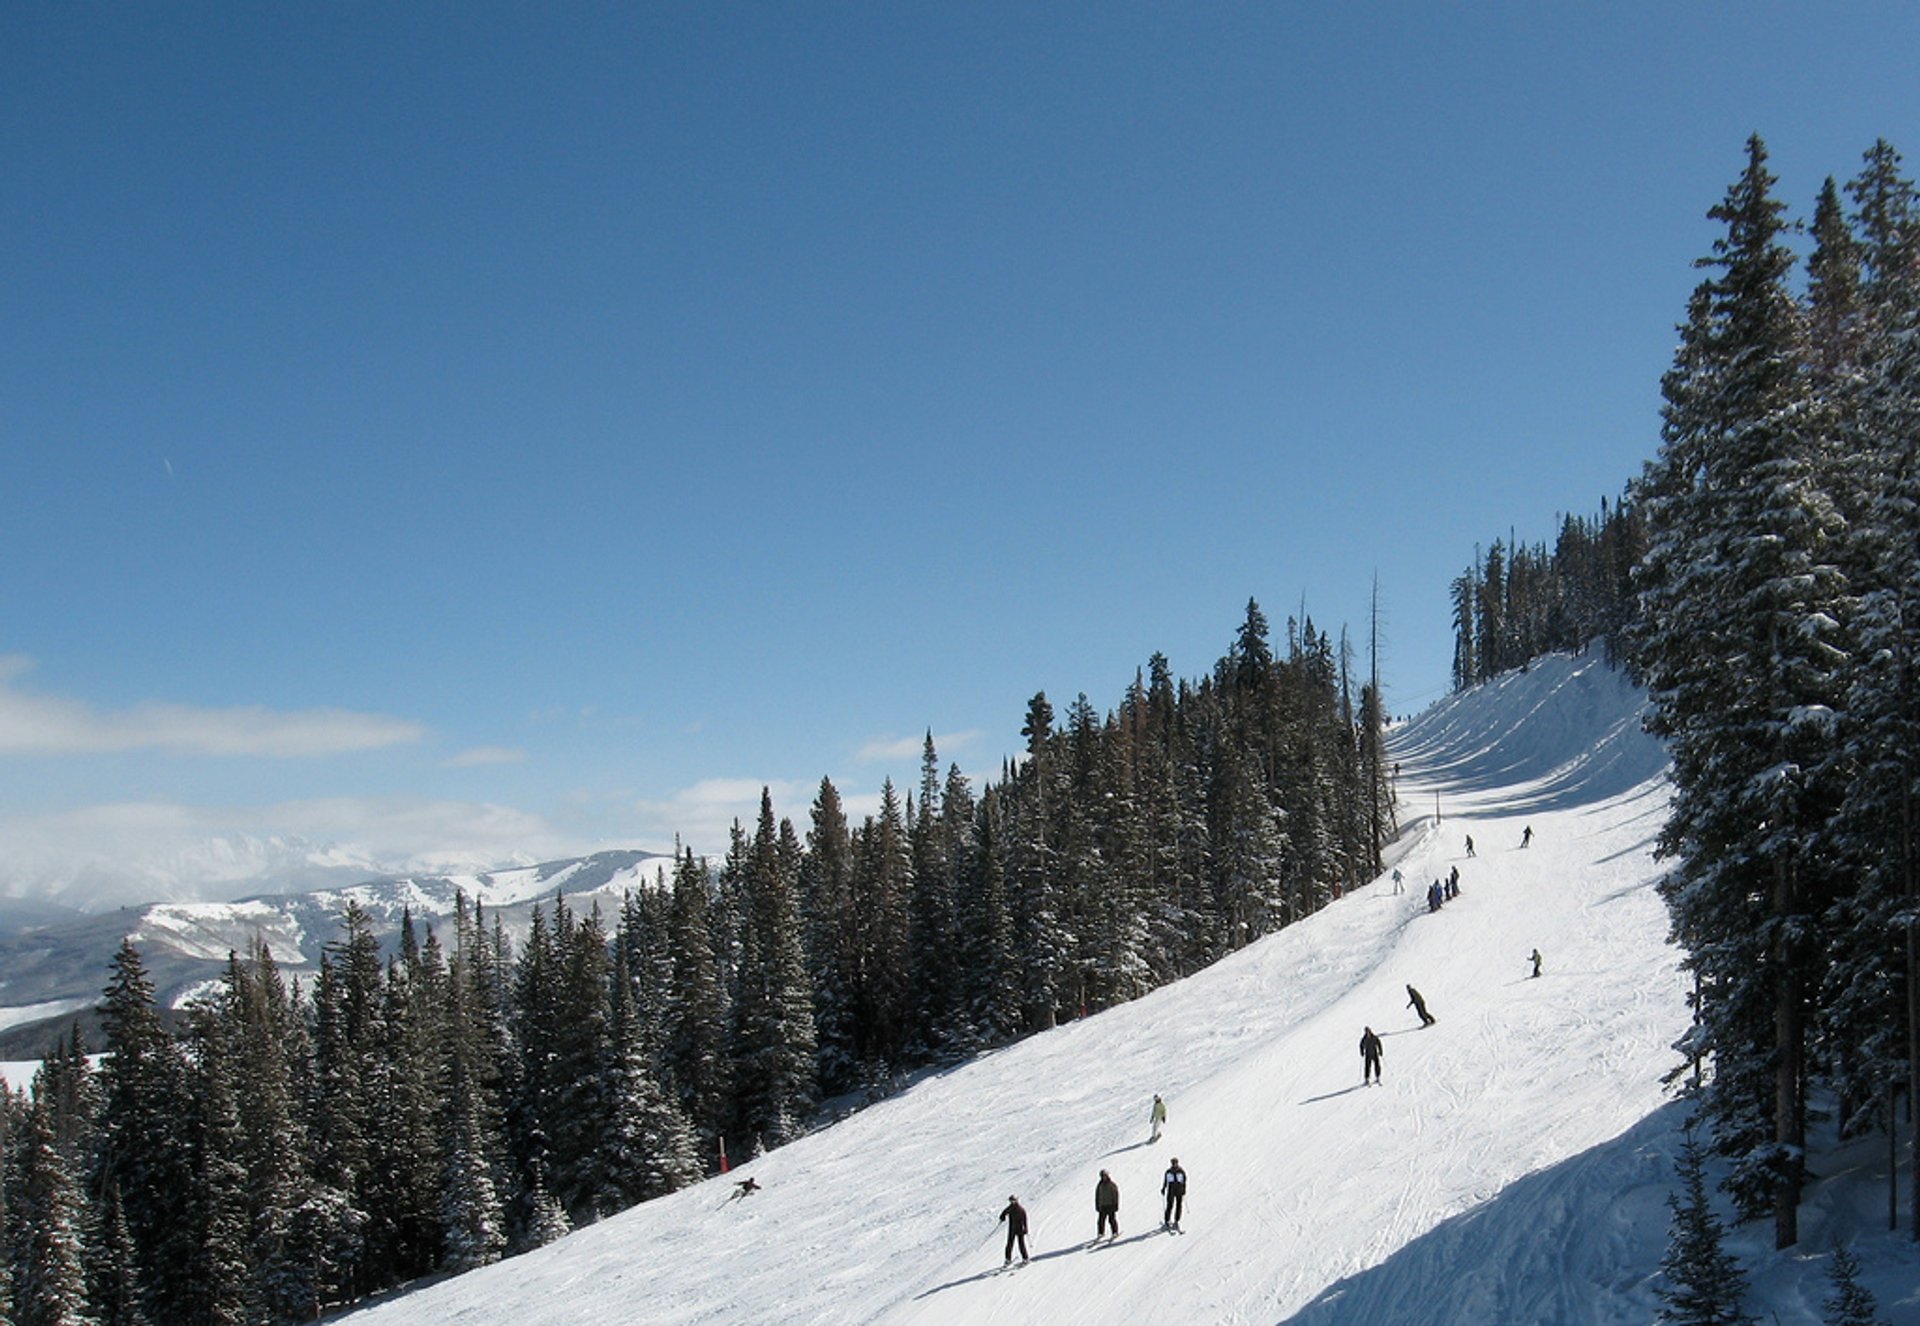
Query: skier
{"points": [[1469, 844], [1453, 881], [1158, 1118], [1526, 836], [1398, 886], [1435, 896], [745, 1188], [1419, 1005], [1369, 1058], [1536, 962], [1175, 1187], [1016, 1219], [1106, 1204]]}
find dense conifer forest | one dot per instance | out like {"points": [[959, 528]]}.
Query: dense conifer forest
{"points": [[462, 1097]]}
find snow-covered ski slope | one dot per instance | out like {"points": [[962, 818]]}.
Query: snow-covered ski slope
{"points": [[1512, 1167]]}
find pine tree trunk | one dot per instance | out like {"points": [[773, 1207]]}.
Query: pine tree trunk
{"points": [[1787, 1130]]}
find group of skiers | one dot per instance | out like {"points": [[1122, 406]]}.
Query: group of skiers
{"points": [[1443, 891], [1106, 1200]]}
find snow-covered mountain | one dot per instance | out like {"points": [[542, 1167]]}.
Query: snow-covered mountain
{"points": [[53, 973], [1511, 1168]]}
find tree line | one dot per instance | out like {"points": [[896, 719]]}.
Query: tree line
{"points": [[1519, 601], [431, 1107]]}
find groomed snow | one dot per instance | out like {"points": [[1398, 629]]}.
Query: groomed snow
{"points": [[1512, 1168]]}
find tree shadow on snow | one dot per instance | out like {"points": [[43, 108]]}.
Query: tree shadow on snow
{"points": [[1530, 1256]]}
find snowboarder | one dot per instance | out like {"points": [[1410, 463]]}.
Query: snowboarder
{"points": [[1419, 1005], [1158, 1118], [1369, 1058], [1106, 1205], [1398, 886], [1175, 1187], [744, 1188], [1015, 1217], [1469, 844], [1536, 962], [1526, 836]]}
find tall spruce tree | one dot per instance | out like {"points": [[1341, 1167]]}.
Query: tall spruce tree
{"points": [[1740, 647], [147, 1144]]}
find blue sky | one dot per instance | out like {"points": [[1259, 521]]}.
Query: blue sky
{"points": [[459, 432]]}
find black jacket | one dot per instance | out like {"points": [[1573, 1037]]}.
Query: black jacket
{"points": [[1016, 1217]]}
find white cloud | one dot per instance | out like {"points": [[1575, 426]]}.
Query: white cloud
{"points": [[33, 724], [105, 855], [911, 748], [484, 755], [702, 815]]}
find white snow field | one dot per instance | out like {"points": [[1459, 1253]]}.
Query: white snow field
{"points": [[1512, 1167]]}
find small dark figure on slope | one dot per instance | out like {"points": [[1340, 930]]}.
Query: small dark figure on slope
{"points": [[1015, 1217], [1175, 1187], [744, 1188], [1369, 1058], [1419, 1005], [1106, 1205]]}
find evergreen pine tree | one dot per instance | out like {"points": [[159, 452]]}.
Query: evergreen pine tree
{"points": [[146, 1139], [1851, 1303], [44, 1237], [1703, 1285]]}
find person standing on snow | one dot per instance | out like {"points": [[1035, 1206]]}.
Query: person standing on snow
{"points": [[1469, 844], [1399, 885], [1158, 1118], [1526, 836], [1369, 1058], [1536, 962], [1015, 1217], [1106, 1205], [1419, 1005], [1175, 1187]]}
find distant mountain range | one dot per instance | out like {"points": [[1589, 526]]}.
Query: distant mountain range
{"points": [[54, 964]]}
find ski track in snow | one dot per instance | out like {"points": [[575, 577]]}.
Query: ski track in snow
{"points": [[1511, 1167]]}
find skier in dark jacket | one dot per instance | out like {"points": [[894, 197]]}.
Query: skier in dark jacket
{"points": [[1526, 836], [1016, 1218], [1536, 962], [1369, 1057], [1175, 1187], [1106, 1204], [1469, 844], [1419, 1005]]}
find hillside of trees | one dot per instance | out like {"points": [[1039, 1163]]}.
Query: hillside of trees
{"points": [[438, 1107]]}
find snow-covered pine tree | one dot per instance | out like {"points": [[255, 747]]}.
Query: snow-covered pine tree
{"points": [[773, 1037], [1740, 647], [882, 902], [931, 942], [43, 1231], [472, 1203], [826, 901], [695, 1067], [1851, 1303], [146, 1140], [1702, 1284], [649, 1148]]}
